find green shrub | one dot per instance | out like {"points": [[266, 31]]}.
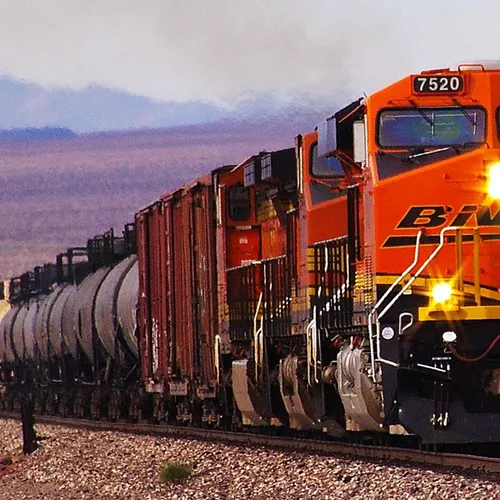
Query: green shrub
{"points": [[175, 472]]}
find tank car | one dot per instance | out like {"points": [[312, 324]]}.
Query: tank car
{"points": [[69, 341]]}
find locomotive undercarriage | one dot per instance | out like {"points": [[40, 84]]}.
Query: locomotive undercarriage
{"points": [[323, 375], [256, 387], [321, 388], [398, 377], [434, 394]]}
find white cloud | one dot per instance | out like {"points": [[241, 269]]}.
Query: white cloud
{"points": [[224, 49]]}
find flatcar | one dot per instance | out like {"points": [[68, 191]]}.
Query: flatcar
{"points": [[346, 285]]}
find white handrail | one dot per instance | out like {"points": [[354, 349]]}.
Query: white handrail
{"points": [[312, 337], [312, 340], [398, 295], [217, 357], [422, 267], [258, 338], [312, 349], [386, 294]]}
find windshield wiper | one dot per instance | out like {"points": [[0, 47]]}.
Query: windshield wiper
{"points": [[464, 112], [426, 117], [425, 153]]}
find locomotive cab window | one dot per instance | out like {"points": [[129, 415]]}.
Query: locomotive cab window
{"points": [[239, 202], [431, 127], [325, 167], [325, 176], [421, 136]]}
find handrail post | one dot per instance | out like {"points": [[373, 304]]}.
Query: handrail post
{"points": [[477, 268], [257, 337], [459, 265], [217, 346], [374, 310]]}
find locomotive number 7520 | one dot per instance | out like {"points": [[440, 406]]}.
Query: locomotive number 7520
{"points": [[438, 84]]}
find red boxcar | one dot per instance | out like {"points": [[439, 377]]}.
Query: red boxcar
{"points": [[177, 277]]}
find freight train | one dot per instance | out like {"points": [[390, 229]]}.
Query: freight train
{"points": [[346, 285]]}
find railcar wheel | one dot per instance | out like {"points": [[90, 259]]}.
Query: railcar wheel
{"points": [[136, 405], [159, 413], [114, 404], [95, 403]]}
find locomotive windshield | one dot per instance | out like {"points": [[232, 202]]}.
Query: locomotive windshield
{"points": [[431, 127], [325, 167], [325, 175]]}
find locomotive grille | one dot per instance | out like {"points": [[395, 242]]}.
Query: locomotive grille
{"points": [[243, 297], [277, 288], [333, 284], [272, 278]]}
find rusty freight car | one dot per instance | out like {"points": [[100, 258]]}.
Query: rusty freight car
{"points": [[177, 307]]}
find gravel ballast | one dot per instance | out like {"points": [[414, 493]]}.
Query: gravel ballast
{"points": [[79, 464]]}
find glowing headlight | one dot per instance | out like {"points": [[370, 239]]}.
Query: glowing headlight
{"points": [[441, 292], [449, 337], [494, 185]]}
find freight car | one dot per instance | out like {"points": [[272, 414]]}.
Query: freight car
{"points": [[68, 341], [347, 285]]}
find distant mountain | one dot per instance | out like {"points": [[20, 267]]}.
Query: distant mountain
{"points": [[93, 109], [35, 133], [26, 105], [74, 163]]}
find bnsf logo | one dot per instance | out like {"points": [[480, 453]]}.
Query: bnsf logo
{"points": [[428, 216], [440, 215]]}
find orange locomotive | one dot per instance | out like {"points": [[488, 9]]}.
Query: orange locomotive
{"points": [[430, 184], [412, 312], [357, 276]]}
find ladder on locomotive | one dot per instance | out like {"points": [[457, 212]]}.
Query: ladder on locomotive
{"points": [[385, 303]]}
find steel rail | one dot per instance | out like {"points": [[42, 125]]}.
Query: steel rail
{"points": [[398, 456]]}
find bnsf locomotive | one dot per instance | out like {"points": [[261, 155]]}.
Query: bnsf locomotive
{"points": [[349, 284]]}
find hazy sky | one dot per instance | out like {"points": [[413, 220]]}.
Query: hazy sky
{"points": [[224, 50]]}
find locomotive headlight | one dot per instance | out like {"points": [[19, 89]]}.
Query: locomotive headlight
{"points": [[449, 337], [441, 292], [494, 184]]}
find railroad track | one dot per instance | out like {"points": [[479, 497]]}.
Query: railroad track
{"points": [[396, 455]]}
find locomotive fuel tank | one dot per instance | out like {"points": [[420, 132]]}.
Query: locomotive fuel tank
{"points": [[106, 304]]}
